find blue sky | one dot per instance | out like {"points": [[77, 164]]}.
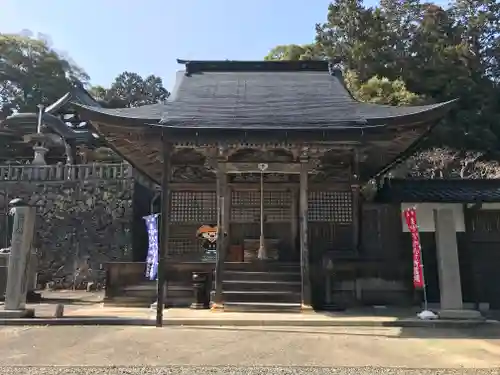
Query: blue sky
{"points": [[107, 37]]}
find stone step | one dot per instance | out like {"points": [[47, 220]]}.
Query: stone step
{"points": [[150, 289], [262, 307], [261, 296], [145, 294], [259, 285], [124, 301], [262, 266], [261, 276]]}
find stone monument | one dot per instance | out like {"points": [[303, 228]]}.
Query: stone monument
{"points": [[19, 261]]}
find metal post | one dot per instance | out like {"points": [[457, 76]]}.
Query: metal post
{"points": [[151, 212], [164, 232], [424, 288]]}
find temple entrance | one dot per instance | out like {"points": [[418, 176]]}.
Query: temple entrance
{"points": [[280, 220]]}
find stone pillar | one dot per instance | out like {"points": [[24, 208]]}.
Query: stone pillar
{"points": [[304, 246], [39, 157], [19, 259], [448, 267]]}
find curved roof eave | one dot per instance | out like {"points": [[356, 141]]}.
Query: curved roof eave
{"points": [[78, 94], [136, 115], [406, 115], [54, 122], [409, 151]]}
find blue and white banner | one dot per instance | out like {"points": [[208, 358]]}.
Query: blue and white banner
{"points": [[152, 258]]}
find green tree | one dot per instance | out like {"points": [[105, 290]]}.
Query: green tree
{"points": [[131, 90], [32, 73], [377, 89], [440, 55], [295, 52], [99, 94], [443, 66], [479, 23], [381, 90], [358, 36]]}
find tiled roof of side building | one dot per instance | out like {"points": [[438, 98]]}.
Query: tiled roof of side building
{"points": [[439, 191]]}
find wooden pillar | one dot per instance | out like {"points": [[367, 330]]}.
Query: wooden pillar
{"points": [[294, 222], [222, 222], [164, 231], [226, 214], [304, 246], [356, 203]]}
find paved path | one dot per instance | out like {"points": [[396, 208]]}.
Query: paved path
{"points": [[274, 370], [210, 346]]}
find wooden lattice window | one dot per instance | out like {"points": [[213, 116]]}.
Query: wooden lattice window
{"points": [[245, 206], [331, 206], [194, 207], [183, 246]]}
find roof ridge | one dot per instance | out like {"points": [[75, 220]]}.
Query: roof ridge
{"points": [[199, 66]]}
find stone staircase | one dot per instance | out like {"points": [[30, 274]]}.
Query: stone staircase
{"points": [[249, 286], [262, 287]]}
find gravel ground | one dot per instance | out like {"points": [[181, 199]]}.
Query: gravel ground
{"points": [[275, 370]]}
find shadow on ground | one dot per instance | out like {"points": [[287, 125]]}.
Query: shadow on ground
{"points": [[394, 333]]}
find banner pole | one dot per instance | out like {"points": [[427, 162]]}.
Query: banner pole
{"points": [[424, 286], [426, 313]]}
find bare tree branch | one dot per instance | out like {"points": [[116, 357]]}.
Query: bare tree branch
{"points": [[447, 163]]}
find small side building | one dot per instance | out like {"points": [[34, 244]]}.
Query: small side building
{"points": [[472, 218]]}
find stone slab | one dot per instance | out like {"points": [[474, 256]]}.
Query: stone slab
{"points": [[17, 314], [460, 314]]}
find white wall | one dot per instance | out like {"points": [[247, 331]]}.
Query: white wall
{"points": [[425, 215], [489, 206]]}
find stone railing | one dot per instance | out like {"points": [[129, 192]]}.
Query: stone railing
{"points": [[61, 172]]}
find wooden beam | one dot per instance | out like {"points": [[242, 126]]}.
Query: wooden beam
{"points": [[164, 231], [286, 168]]}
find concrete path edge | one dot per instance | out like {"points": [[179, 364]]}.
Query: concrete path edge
{"points": [[94, 321]]}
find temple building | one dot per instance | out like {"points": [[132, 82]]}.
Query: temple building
{"points": [[280, 161], [279, 157]]}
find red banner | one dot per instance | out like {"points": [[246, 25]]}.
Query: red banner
{"points": [[410, 215]]}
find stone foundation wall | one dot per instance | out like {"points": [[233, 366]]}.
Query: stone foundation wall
{"points": [[80, 226]]}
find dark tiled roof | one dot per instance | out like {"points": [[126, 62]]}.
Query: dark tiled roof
{"points": [[268, 94], [148, 113], [439, 191]]}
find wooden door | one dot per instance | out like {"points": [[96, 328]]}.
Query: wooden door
{"points": [[245, 220]]}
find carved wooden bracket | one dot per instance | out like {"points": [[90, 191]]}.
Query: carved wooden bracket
{"points": [[192, 173], [285, 168]]}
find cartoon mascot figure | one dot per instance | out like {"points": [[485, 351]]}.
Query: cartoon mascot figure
{"points": [[207, 234]]}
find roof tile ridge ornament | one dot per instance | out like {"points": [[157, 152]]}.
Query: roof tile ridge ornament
{"points": [[188, 68]]}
